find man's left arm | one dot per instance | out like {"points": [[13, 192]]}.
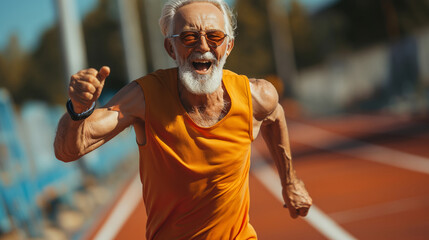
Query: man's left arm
{"points": [[269, 114]]}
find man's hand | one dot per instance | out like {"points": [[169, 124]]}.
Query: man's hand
{"points": [[85, 87], [297, 199]]}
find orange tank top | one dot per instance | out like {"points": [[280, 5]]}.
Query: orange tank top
{"points": [[195, 179]]}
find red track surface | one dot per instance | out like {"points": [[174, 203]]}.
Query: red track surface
{"points": [[367, 199]]}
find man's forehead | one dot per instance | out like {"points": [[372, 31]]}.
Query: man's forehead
{"points": [[199, 15]]}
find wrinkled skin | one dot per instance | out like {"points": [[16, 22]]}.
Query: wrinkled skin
{"points": [[77, 138]]}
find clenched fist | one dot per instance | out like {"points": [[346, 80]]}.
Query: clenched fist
{"points": [[297, 199], [85, 87]]}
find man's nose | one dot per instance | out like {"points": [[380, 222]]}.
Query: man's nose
{"points": [[202, 45]]}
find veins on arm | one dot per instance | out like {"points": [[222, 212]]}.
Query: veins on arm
{"points": [[270, 120], [77, 138], [269, 117]]}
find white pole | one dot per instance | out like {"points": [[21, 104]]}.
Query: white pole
{"points": [[160, 57], [72, 38], [132, 39], [282, 43]]}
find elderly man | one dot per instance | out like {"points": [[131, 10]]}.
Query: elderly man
{"points": [[194, 126]]}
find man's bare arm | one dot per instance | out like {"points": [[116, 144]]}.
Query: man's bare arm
{"points": [[77, 138], [269, 115]]}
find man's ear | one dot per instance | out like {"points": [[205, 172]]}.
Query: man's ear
{"points": [[230, 47], [169, 48]]}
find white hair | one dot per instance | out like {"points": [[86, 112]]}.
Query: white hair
{"points": [[171, 7]]}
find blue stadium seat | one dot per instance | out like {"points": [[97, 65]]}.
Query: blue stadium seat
{"points": [[39, 122], [5, 225], [15, 175]]}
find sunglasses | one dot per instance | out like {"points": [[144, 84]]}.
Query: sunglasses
{"points": [[214, 38]]}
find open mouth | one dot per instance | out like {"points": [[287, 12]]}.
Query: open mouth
{"points": [[202, 66]]}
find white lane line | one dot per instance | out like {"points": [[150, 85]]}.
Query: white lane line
{"points": [[321, 139], [402, 205], [316, 218], [122, 210]]}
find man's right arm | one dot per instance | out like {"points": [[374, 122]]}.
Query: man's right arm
{"points": [[77, 138]]}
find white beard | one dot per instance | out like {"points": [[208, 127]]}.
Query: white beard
{"points": [[200, 84]]}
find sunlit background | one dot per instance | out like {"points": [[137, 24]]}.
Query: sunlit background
{"points": [[327, 58]]}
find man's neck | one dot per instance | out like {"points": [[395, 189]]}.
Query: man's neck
{"points": [[205, 109], [193, 102]]}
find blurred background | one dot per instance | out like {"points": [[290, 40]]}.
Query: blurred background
{"points": [[328, 59]]}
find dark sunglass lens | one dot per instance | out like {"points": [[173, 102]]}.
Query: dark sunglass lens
{"points": [[189, 38], [216, 37]]}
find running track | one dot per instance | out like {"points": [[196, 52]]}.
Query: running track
{"points": [[368, 176]]}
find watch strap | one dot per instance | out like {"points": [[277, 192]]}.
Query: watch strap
{"points": [[79, 116]]}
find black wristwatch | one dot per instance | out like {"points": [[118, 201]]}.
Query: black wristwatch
{"points": [[78, 116]]}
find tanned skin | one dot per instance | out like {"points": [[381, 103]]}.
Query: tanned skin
{"points": [[74, 139]]}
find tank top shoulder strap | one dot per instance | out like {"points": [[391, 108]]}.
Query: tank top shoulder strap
{"points": [[159, 89], [238, 87]]}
